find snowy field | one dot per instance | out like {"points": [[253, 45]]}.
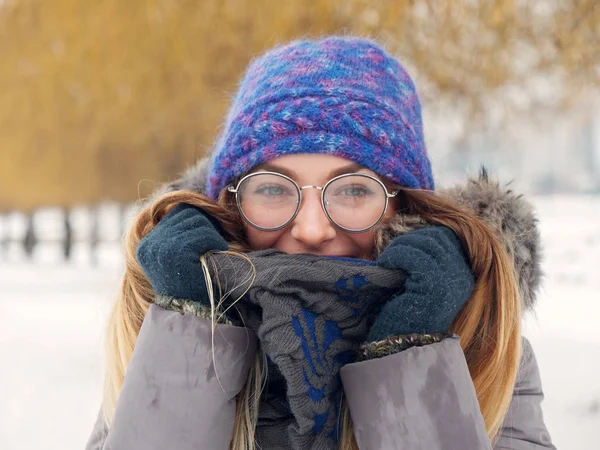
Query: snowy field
{"points": [[52, 317]]}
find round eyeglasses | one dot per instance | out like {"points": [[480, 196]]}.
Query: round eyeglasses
{"points": [[353, 202]]}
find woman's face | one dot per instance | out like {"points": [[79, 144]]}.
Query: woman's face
{"points": [[311, 231]]}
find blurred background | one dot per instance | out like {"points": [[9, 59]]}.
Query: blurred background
{"points": [[101, 102]]}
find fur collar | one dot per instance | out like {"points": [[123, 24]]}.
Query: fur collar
{"points": [[508, 213]]}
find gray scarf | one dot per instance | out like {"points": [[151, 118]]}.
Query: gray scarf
{"points": [[310, 314]]}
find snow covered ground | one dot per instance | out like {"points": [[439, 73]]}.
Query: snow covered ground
{"points": [[52, 317]]}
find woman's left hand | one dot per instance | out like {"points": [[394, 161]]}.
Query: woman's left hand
{"points": [[439, 283]]}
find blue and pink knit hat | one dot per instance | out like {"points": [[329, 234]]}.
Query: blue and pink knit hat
{"points": [[339, 96]]}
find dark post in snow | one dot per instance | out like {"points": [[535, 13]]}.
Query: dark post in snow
{"points": [[94, 235], [68, 243], [30, 240], [4, 238]]}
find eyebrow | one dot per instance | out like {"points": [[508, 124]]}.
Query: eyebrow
{"points": [[350, 168]]}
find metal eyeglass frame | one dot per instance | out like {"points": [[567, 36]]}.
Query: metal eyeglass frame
{"points": [[234, 189]]}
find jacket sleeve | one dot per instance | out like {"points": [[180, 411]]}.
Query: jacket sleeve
{"points": [[424, 398], [177, 392]]}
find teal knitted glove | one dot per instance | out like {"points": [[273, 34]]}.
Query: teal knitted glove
{"points": [[439, 283], [170, 254]]}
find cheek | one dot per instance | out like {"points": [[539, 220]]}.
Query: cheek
{"points": [[391, 208], [260, 240], [364, 242]]}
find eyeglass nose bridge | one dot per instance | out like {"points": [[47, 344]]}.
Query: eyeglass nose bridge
{"points": [[319, 188], [324, 201]]}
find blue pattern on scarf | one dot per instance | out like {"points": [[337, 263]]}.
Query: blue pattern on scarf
{"points": [[316, 354]]}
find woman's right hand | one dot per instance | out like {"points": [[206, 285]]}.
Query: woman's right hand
{"points": [[170, 254]]}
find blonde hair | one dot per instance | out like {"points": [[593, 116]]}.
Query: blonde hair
{"points": [[488, 325]]}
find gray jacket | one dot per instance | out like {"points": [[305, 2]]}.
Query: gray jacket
{"points": [[176, 396]]}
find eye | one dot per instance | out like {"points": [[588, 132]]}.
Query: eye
{"points": [[354, 190], [271, 190]]}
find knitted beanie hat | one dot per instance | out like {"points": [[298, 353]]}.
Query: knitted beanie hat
{"points": [[340, 96]]}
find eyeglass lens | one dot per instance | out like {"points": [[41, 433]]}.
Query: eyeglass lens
{"points": [[353, 202], [268, 201]]}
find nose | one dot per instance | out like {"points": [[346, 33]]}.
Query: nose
{"points": [[311, 226]]}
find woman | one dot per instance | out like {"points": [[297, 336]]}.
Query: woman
{"points": [[307, 288]]}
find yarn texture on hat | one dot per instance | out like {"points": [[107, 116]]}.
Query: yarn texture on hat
{"points": [[337, 96]]}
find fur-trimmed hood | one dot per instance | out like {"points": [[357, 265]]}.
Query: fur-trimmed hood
{"points": [[509, 214]]}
